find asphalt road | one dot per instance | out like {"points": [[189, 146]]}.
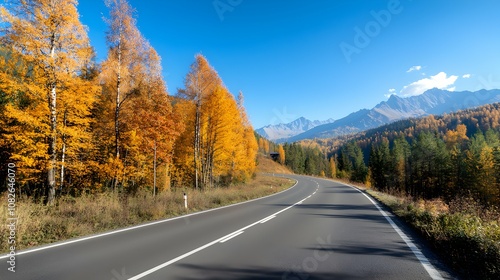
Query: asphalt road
{"points": [[318, 229]]}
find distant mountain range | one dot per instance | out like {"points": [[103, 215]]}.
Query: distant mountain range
{"points": [[434, 101], [281, 132]]}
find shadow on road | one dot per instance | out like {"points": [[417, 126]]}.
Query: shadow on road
{"points": [[254, 273], [366, 212], [400, 251]]}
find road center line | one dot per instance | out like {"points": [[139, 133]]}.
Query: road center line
{"points": [[267, 219], [220, 240], [231, 236]]}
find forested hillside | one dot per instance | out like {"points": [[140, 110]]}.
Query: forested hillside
{"points": [[72, 125], [445, 156]]}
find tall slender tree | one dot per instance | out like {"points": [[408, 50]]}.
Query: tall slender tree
{"points": [[333, 167], [222, 140], [153, 116], [200, 82], [123, 74], [400, 155], [51, 40]]}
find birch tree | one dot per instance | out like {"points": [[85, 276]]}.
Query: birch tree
{"points": [[49, 37], [121, 77]]}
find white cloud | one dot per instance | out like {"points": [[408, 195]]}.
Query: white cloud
{"points": [[440, 81], [466, 76], [414, 68]]}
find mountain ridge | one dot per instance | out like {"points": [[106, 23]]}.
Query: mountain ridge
{"points": [[431, 102]]}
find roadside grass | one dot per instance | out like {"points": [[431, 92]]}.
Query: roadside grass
{"points": [[72, 217], [464, 233]]}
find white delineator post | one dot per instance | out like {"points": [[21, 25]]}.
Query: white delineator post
{"points": [[185, 201]]}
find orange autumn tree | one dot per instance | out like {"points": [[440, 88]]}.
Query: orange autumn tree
{"points": [[121, 73], [157, 125], [281, 153], [53, 46], [220, 139], [200, 82], [135, 113], [77, 157], [332, 167], [248, 144], [183, 172], [22, 121]]}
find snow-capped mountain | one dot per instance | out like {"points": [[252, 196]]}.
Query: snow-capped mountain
{"points": [[281, 132]]}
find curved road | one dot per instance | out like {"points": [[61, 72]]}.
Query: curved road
{"points": [[319, 229]]}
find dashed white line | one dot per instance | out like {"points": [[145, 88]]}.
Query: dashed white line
{"points": [[267, 219], [231, 237]]}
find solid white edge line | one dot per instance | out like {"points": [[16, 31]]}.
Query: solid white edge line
{"points": [[62, 243], [231, 237], [433, 273], [233, 234]]}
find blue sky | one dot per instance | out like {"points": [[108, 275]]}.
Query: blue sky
{"points": [[319, 59]]}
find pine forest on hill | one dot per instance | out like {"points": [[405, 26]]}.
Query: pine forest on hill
{"points": [[74, 126]]}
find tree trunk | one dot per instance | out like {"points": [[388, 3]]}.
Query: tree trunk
{"points": [[52, 100], [63, 156], [154, 171], [117, 114], [167, 177], [51, 172], [197, 144]]}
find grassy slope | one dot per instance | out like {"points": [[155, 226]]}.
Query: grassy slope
{"points": [[266, 165]]}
